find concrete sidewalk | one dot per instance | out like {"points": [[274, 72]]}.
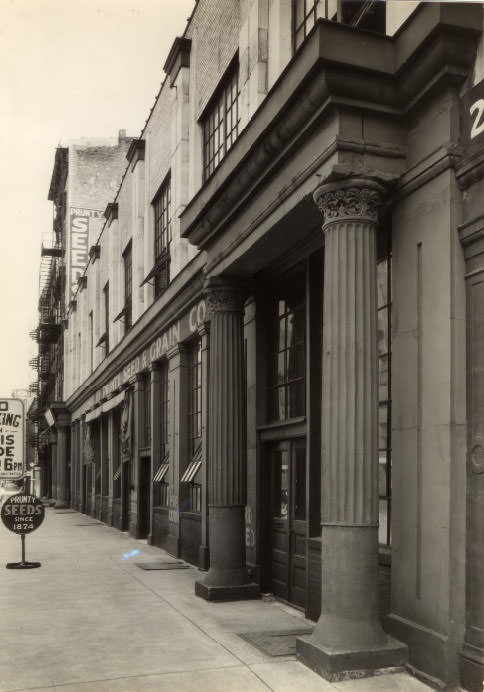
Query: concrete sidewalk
{"points": [[91, 619]]}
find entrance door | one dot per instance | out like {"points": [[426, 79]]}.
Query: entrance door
{"points": [[144, 496], [288, 520]]}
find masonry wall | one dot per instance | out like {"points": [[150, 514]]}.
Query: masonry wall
{"points": [[428, 412]]}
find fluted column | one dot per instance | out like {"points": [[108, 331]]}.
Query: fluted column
{"points": [[227, 577], [348, 635]]}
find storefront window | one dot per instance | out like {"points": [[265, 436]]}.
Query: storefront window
{"points": [[160, 484], [192, 471], [384, 398], [288, 352]]}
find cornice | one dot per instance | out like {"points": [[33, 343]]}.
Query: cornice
{"points": [[136, 152], [471, 236], [337, 67], [470, 170], [180, 295], [178, 57]]}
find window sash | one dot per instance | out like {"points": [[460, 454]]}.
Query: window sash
{"points": [[195, 398], [384, 299], [128, 286], [221, 123]]}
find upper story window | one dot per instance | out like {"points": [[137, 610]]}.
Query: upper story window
{"points": [[288, 353], [128, 286], [162, 214], [221, 121], [364, 14], [106, 316], [305, 13]]}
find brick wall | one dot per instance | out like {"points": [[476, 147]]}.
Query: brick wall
{"points": [[215, 39]]}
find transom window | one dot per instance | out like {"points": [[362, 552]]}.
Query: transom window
{"points": [[162, 213], [221, 122], [288, 353]]}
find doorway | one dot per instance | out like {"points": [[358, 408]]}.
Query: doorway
{"points": [[288, 520], [144, 496]]}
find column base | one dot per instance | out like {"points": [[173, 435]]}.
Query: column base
{"points": [[203, 558], [242, 592], [172, 545], [61, 504], [336, 665], [472, 668]]}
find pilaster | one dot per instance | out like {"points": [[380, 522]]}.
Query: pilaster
{"points": [[203, 554], [348, 639], [156, 452], [177, 441], [138, 384]]}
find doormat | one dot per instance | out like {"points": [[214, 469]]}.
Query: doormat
{"points": [[92, 523], [275, 643], [161, 565]]}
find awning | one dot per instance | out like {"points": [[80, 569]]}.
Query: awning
{"points": [[113, 402], [161, 473], [117, 473], [92, 415], [193, 467]]}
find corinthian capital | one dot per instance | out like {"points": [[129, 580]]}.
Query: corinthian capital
{"points": [[355, 198], [222, 296]]}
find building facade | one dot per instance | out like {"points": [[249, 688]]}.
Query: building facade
{"points": [[86, 175], [271, 360]]}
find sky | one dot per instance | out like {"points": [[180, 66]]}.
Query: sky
{"points": [[70, 69]]}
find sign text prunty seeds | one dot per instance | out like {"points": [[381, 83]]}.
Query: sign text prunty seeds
{"points": [[158, 348]]}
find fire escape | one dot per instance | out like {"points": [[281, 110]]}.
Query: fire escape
{"points": [[49, 364]]}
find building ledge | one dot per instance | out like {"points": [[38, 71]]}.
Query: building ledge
{"points": [[178, 57], [336, 67], [111, 212]]}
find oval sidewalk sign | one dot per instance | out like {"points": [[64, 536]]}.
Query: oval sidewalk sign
{"points": [[22, 513]]}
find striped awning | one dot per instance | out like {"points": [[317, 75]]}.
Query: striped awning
{"points": [[117, 473], [161, 473], [193, 467]]}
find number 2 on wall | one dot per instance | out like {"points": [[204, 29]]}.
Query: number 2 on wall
{"points": [[478, 126]]}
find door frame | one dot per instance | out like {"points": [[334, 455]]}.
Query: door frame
{"points": [[292, 437]]}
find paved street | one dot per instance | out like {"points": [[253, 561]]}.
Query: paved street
{"points": [[91, 619]]}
